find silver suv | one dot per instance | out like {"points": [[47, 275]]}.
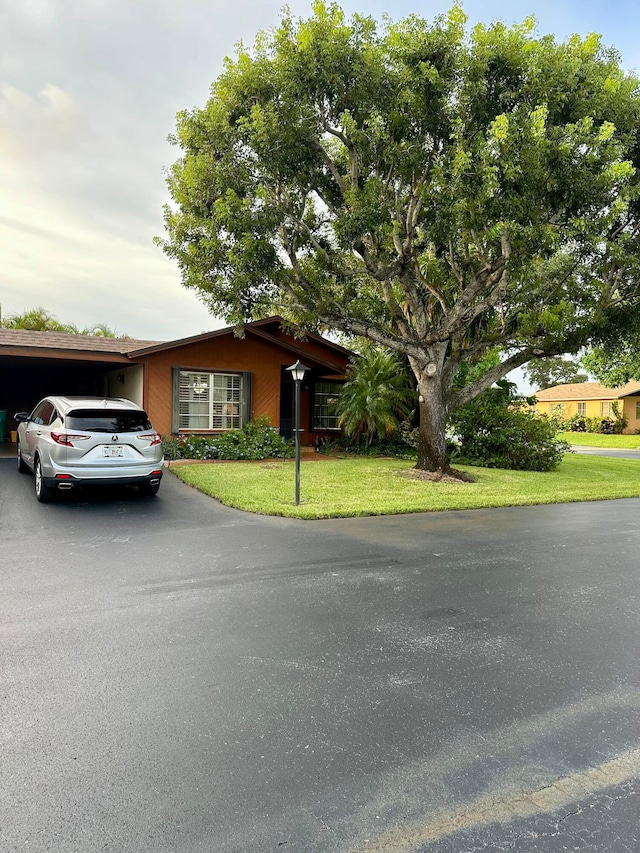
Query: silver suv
{"points": [[88, 441]]}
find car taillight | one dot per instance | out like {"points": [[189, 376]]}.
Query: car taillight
{"points": [[152, 437], [67, 438]]}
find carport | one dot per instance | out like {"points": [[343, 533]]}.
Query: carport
{"points": [[34, 364]]}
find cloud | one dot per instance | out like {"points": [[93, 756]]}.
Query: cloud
{"points": [[36, 13], [89, 90], [36, 126]]}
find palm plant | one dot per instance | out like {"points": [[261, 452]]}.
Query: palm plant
{"points": [[376, 396], [38, 320], [99, 330]]}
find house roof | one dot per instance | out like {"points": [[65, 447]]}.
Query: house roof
{"points": [[265, 329], [274, 322], [88, 347], [26, 339], [584, 391]]}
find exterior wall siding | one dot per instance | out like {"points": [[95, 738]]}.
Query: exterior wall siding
{"points": [[633, 423], [227, 353]]}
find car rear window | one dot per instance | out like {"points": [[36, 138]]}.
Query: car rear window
{"points": [[113, 420]]}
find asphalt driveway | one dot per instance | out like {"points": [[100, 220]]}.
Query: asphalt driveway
{"points": [[176, 676]]}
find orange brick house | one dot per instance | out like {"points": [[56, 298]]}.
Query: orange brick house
{"points": [[202, 384], [592, 400]]}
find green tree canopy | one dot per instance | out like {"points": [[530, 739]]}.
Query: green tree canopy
{"points": [[615, 357], [547, 372], [439, 192]]}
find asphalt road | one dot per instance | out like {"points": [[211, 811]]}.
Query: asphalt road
{"points": [[176, 677], [616, 452]]}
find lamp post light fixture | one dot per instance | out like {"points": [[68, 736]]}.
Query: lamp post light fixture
{"points": [[297, 372]]}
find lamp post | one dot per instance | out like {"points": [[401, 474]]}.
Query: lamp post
{"points": [[297, 372]]}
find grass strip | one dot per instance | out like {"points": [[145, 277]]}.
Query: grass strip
{"points": [[337, 488], [593, 439]]}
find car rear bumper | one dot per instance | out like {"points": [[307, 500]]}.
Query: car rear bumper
{"points": [[69, 482]]}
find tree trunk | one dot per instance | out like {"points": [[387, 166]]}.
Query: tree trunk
{"points": [[432, 446]]}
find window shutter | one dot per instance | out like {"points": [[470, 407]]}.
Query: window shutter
{"points": [[246, 398], [175, 396]]}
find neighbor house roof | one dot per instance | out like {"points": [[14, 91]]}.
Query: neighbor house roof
{"points": [[584, 391], [25, 339]]}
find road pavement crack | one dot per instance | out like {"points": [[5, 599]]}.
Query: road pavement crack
{"points": [[503, 808]]}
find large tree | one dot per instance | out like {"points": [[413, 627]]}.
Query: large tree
{"points": [[438, 192]]}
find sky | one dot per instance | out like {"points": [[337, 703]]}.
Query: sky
{"points": [[89, 90]]}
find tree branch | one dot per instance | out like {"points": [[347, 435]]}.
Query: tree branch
{"points": [[324, 156], [467, 308], [353, 154], [372, 331], [396, 313], [435, 293], [466, 394], [415, 305]]}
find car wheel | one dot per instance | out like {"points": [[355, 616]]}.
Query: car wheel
{"points": [[44, 493], [22, 465], [148, 490]]}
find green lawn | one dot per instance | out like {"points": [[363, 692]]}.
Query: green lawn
{"points": [[348, 487], [594, 439]]}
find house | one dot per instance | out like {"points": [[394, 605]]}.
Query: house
{"points": [[202, 384], [593, 401]]}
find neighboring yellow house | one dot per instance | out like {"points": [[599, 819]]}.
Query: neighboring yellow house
{"points": [[593, 401]]}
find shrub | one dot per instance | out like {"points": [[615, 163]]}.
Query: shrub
{"points": [[401, 444], [256, 440], [497, 430], [577, 423], [620, 422], [608, 425], [593, 424]]}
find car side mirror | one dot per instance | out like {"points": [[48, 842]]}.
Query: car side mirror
{"points": [[21, 417]]}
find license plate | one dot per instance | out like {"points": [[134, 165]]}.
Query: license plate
{"points": [[111, 451]]}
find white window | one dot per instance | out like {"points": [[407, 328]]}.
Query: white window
{"points": [[605, 409], [209, 401], [582, 408]]}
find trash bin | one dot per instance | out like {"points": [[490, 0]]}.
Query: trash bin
{"points": [[3, 424]]}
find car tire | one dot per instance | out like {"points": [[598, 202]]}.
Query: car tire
{"points": [[22, 465], [148, 490], [44, 493]]}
